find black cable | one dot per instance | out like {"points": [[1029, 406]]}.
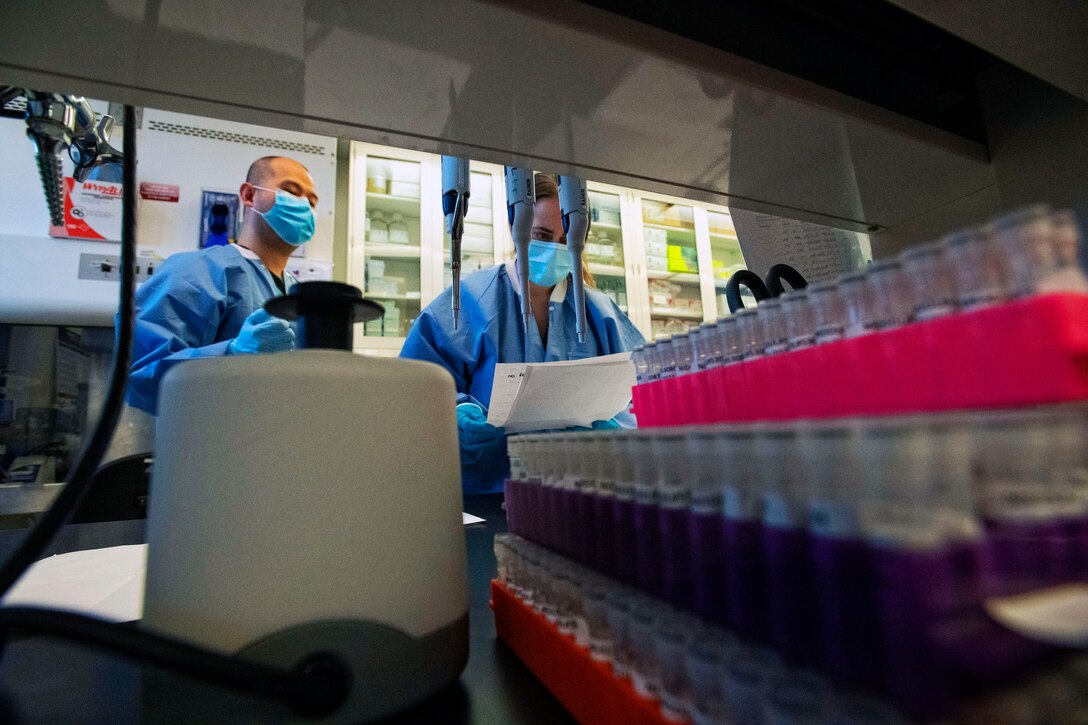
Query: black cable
{"points": [[316, 687], [79, 479]]}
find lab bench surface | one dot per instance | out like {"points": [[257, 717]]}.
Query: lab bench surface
{"points": [[45, 680]]}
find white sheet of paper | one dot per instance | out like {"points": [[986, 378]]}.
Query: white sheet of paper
{"points": [[542, 396], [467, 519], [1056, 615], [107, 583]]}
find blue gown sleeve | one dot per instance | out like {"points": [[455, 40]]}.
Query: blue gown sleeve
{"points": [[178, 312], [434, 341]]}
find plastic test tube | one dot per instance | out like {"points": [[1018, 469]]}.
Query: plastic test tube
{"points": [[772, 326], [748, 682], [603, 502], [800, 327], [977, 270], [842, 574], [671, 639], [642, 627], [1069, 276], [647, 530], [674, 473], [828, 312], [750, 334], [584, 456], [1024, 512], [792, 622], [889, 304], [706, 661], [619, 602], [624, 449], [922, 582], [705, 526], [930, 279], [743, 580], [595, 608], [1026, 240], [855, 298]]}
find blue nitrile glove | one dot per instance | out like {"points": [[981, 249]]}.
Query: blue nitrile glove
{"points": [[261, 332], [609, 424], [475, 434]]}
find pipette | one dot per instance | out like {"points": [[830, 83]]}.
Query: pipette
{"points": [[456, 186], [574, 205], [520, 199]]}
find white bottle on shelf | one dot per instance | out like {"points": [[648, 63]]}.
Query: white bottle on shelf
{"points": [[398, 230], [379, 230]]}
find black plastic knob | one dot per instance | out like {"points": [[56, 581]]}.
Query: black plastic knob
{"points": [[325, 312]]}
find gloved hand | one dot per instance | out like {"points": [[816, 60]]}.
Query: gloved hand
{"points": [[609, 424], [261, 332], [475, 434]]}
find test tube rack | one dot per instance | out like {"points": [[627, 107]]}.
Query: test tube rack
{"points": [[1025, 352]]}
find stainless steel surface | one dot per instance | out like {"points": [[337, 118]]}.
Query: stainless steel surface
{"points": [[608, 99]]}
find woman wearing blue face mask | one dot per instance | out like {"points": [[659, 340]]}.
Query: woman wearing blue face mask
{"points": [[209, 302], [491, 331]]}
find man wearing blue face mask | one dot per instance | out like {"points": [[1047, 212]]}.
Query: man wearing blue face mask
{"points": [[210, 302], [491, 331]]}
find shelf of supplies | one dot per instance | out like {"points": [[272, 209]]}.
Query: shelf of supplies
{"points": [[393, 251], [724, 235], [406, 205], [684, 277], [603, 225], [678, 314], [668, 228], [407, 297], [606, 270]]}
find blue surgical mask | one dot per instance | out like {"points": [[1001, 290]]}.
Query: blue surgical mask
{"points": [[290, 217], [549, 262]]}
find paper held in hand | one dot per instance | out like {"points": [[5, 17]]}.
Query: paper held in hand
{"points": [[544, 396]]}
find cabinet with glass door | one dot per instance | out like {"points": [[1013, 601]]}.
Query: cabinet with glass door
{"points": [[726, 257], [672, 267], [481, 234], [389, 239], [604, 257]]}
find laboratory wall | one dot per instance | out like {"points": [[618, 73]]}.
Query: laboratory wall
{"points": [[39, 276]]}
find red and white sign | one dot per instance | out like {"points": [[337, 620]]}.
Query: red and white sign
{"points": [[159, 192], [92, 210]]}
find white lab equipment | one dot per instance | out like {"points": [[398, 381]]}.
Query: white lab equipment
{"points": [[273, 541]]}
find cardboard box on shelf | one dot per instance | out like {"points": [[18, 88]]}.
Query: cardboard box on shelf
{"points": [[653, 234]]}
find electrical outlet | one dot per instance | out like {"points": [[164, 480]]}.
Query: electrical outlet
{"points": [[107, 268]]}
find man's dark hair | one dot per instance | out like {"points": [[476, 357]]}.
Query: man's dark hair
{"points": [[261, 169]]}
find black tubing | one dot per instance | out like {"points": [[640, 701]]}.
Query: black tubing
{"points": [[784, 273], [746, 278], [82, 473], [316, 687]]}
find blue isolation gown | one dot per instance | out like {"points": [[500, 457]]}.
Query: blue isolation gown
{"points": [[491, 332], [192, 307]]}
